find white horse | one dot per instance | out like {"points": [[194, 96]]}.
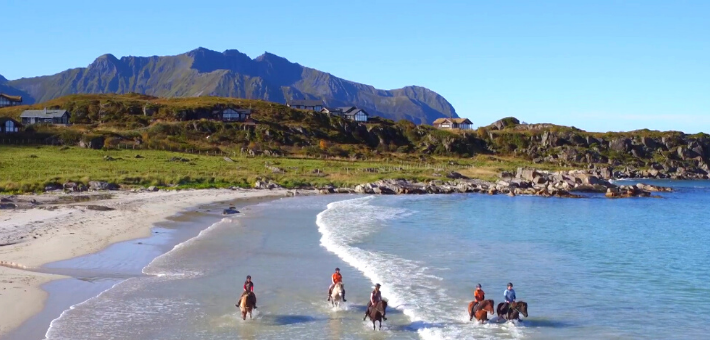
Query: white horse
{"points": [[337, 295]]}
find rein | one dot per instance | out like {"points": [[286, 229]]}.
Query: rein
{"points": [[515, 308]]}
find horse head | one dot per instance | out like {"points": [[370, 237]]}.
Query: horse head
{"points": [[383, 305], [488, 306], [522, 307]]}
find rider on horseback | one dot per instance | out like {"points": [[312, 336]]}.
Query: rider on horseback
{"points": [[478, 296], [375, 297], [249, 288], [336, 278], [509, 295]]}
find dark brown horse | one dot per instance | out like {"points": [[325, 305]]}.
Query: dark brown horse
{"points": [[484, 307], [376, 313], [246, 304], [513, 311]]}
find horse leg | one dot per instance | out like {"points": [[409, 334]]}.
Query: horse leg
{"points": [[380, 324], [373, 325]]}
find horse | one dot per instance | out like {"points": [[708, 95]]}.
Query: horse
{"points": [[514, 311], [484, 307], [337, 294], [246, 304], [376, 313]]}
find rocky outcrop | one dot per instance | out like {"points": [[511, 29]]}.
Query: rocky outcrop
{"points": [[532, 182]]}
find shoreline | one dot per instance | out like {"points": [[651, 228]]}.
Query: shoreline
{"points": [[31, 241]]}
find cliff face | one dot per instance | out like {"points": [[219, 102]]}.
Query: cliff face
{"points": [[203, 72], [632, 154]]}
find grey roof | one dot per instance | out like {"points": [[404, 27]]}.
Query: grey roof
{"points": [[43, 113], [351, 110], [306, 102]]}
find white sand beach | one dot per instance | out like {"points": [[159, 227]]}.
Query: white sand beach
{"points": [[30, 238]]}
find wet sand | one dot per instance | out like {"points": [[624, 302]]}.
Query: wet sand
{"points": [[38, 237]]}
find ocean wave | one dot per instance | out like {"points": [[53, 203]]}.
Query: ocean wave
{"points": [[408, 285], [405, 283]]}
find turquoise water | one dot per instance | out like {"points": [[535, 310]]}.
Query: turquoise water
{"points": [[589, 268]]}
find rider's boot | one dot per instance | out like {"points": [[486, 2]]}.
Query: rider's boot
{"points": [[384, 318], [330, 291], [344, 297]]}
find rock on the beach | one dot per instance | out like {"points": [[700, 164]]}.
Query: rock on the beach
{"points": [[53, 187], [100, 185], [259, 184], [4, 206]]}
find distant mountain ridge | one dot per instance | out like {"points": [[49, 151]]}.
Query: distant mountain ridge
{"points": [[231, 73]]}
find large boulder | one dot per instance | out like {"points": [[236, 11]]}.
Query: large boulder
{"points": [[649, 143], [620, 145], [53, 187], [266, 184], [505, 123], [100, 186], [527, 174], [92, 143]]}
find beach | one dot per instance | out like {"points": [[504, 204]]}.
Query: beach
{"points": [[572, 261], [35, 237]]}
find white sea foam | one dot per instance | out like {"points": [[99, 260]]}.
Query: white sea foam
{"points": [[405, 283]]}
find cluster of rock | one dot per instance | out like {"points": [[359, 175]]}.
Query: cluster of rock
{"points": [[81, 187], [525, 182]]}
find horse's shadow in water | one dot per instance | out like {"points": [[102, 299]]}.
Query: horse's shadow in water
{"points": [[545, 323], [284, 320], [417, 325]]}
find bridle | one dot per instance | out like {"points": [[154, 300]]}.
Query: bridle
{"points": [[514, 308]]}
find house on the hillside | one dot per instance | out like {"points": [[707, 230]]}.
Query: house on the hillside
{"points": [[312, 105], [348, 112], [453, 123], [9, 125], [8, 100], [45, 116], [233, 115]]}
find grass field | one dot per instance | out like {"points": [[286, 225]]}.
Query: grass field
{"points": [[31, 168]]}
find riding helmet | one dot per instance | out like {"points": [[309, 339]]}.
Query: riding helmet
{"points": [[337, 269], [377, 285], [478, 285], [248, 276], [510, 284]]}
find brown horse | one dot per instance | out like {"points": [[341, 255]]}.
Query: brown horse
{"points": [[484, 307], [246, 304], [513, 311], [376, 313]]}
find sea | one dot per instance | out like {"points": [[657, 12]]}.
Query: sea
{"points": [[589, 268]]}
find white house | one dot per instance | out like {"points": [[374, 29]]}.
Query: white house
{"points": [[349, 112], [312, 105]]}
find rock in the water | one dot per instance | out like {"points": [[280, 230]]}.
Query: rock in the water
{"points": [[230, 211]]}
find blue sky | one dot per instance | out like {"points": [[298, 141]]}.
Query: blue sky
{"points": [[597, 65]]}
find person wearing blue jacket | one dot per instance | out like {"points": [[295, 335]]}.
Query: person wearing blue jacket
{"points": [[509, 295]]}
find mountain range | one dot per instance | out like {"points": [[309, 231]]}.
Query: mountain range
{"points": [[203, 72]]}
